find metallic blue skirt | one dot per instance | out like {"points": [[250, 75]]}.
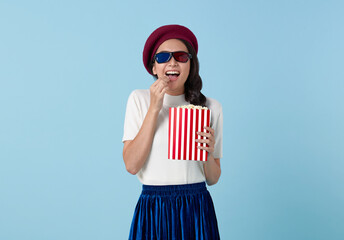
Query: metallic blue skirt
{"points": [[180, 212]]}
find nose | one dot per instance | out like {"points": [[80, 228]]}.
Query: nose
{"points": [[172, 62]]}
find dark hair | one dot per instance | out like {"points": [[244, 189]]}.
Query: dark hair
{"points": [[193, 84]]}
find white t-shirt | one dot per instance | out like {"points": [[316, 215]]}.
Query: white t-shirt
{"points": [[158, 169]]}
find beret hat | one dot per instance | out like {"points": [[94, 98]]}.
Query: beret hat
{"points": [[162, 34]]}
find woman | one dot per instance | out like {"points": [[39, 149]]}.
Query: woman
{"points": [[174, 203]]}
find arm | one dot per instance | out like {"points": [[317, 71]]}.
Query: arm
{"points": [[135, 152], [212, 169]]}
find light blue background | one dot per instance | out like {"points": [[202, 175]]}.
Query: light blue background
{"points": [[67, 68]]}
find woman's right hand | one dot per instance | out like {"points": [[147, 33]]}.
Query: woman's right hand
{"points": [[157, 92], [136, 151]]}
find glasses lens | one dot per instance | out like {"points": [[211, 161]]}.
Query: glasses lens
{"points": [[181, 56], [162, 57]]}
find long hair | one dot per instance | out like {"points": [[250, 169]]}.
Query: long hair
{"points": [[193, 84]]}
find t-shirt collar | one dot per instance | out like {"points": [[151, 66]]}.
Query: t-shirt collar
{"points": [[174, 101]]}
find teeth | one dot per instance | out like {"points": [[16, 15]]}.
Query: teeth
{"points": [[172, 72]]}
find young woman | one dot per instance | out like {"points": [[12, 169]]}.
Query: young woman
{"points": [[174, 203]]}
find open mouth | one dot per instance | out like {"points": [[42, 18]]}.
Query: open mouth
{"points": [[172, 75]]}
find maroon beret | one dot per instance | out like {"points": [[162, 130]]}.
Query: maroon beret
{"points": [[162, 34]]}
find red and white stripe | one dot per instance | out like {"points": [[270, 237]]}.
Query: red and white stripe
{"points": [[183, 125]]}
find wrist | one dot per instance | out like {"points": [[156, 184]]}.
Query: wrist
{"points": [[153, 110], [210, 157]]}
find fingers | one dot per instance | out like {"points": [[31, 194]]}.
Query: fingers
{"points": [[157, 92], [154, 84], [208, 149], [203, 141], [210, 130], [163, 91], [164, 82], [207, 135], [165, 79], [209, 140], [160, 84]]}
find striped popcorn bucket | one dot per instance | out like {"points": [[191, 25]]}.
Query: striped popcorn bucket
{"points": [[184, 123]]}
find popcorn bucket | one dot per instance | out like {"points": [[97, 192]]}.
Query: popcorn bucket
{"points": [[184, 123]]}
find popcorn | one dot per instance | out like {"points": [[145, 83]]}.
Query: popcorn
{"points": [[191, 106], [184, 123]]}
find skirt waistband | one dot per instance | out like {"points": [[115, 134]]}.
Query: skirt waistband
{"points": [[174, 189]]}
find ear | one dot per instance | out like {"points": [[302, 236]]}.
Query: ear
{"points": [[154, 69]]}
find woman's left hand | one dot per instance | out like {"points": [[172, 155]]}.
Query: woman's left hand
{"points": [[209, 140]]}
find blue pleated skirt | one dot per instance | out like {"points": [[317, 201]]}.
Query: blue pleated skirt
{"points": [[180, 212]]}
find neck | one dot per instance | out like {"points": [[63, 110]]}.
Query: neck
{"points": [[175, 92]]}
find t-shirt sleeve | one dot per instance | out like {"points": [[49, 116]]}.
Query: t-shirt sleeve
{"points": [[217, 125], [133, 118]]}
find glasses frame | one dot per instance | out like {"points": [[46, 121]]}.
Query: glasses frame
{"points": [[170, 56]]}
